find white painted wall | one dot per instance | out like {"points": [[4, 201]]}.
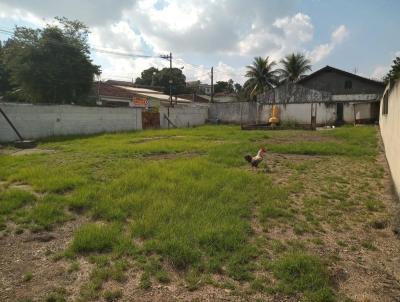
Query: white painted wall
{"points": [[301, 113], [39, 121], [248, 112], [362, 112], [183, 115], [390, 132]]}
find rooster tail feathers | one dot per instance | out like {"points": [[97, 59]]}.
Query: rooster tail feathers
{"points": [[248, 157]]}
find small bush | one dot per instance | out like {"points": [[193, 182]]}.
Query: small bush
{"points": [[95, 238]]}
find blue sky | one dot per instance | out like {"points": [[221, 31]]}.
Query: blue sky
{"points": [[353, 35]]}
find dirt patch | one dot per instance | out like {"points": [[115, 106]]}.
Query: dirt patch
{"points": [[163, 156], [301, 138], [34, 253], [31, 151], [154, 138], [25, 187]]}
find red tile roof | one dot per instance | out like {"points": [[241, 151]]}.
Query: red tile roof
{"points": [[105, 89]]}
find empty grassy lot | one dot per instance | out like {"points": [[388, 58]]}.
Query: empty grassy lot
{"points": [[171, 215]]}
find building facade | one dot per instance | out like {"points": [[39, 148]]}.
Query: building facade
{"points": [[329, 96]]}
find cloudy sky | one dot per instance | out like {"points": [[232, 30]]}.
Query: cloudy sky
{"points": [[354, 35]]}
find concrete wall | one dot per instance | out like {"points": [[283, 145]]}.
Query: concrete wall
{"points": [[39, 121], [183, 115], [250, 112], [390, 131], [362, 112], [236, 112]]}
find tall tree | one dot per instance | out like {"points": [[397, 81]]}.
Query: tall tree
{"points": [[294, 66], [261, 76], [394, 72], [5, 85], [223, 86], [238, 88], [148, 77], [178, 84], [53, 64]]}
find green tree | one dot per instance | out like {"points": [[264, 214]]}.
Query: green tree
{"points": [[5, 85], [148, 77], [294, 66], [261, 76], [394, 72], [51, 65], [238, 88], [220, 86], [224, 86], [178, 85]]}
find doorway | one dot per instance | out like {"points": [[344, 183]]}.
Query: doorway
{"points": [[150, 120], [339, 113]]}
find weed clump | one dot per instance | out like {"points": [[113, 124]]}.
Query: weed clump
{"points": [[96, 238]]}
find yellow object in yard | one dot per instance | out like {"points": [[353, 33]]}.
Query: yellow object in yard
{"points": [[274, 119]]}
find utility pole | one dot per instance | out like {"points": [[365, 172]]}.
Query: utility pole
{"points": [[169, 57], [212, 85]]}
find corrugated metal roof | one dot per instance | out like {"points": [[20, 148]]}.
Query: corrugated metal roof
{"points": [[138, 90]]}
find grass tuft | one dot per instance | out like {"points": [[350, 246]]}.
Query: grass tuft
{"points": [[301, 272], [96, 238]]}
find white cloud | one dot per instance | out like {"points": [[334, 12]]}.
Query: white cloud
{"points": [[340, 34], [321, 51], [379, 72], [117, 36], [91, 12], [209, 29], [298, 27]]}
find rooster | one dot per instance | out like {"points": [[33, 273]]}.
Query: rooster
{"points": [[256, 160]]}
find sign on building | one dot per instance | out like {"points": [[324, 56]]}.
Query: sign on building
{"points": [[139, 102]]}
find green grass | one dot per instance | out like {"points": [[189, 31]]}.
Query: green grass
{"points": [[13, 199], [301, 272], [193, 210], [96, 238]]}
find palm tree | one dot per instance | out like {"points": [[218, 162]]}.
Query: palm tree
{"points": [[261, 76], [294, 66]]}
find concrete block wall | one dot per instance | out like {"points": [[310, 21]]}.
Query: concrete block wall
{"points": [[39, 121], [301, 113], [390, 131], [184, 115], [250, 113], [236, 112]]}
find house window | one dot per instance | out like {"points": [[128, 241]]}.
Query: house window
{"points": [[348, 84], [385, 105]]}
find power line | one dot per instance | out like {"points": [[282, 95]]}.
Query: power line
{"points": [[124, 54]]}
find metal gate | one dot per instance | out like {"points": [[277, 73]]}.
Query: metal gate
{"points": [[150, 120]]}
